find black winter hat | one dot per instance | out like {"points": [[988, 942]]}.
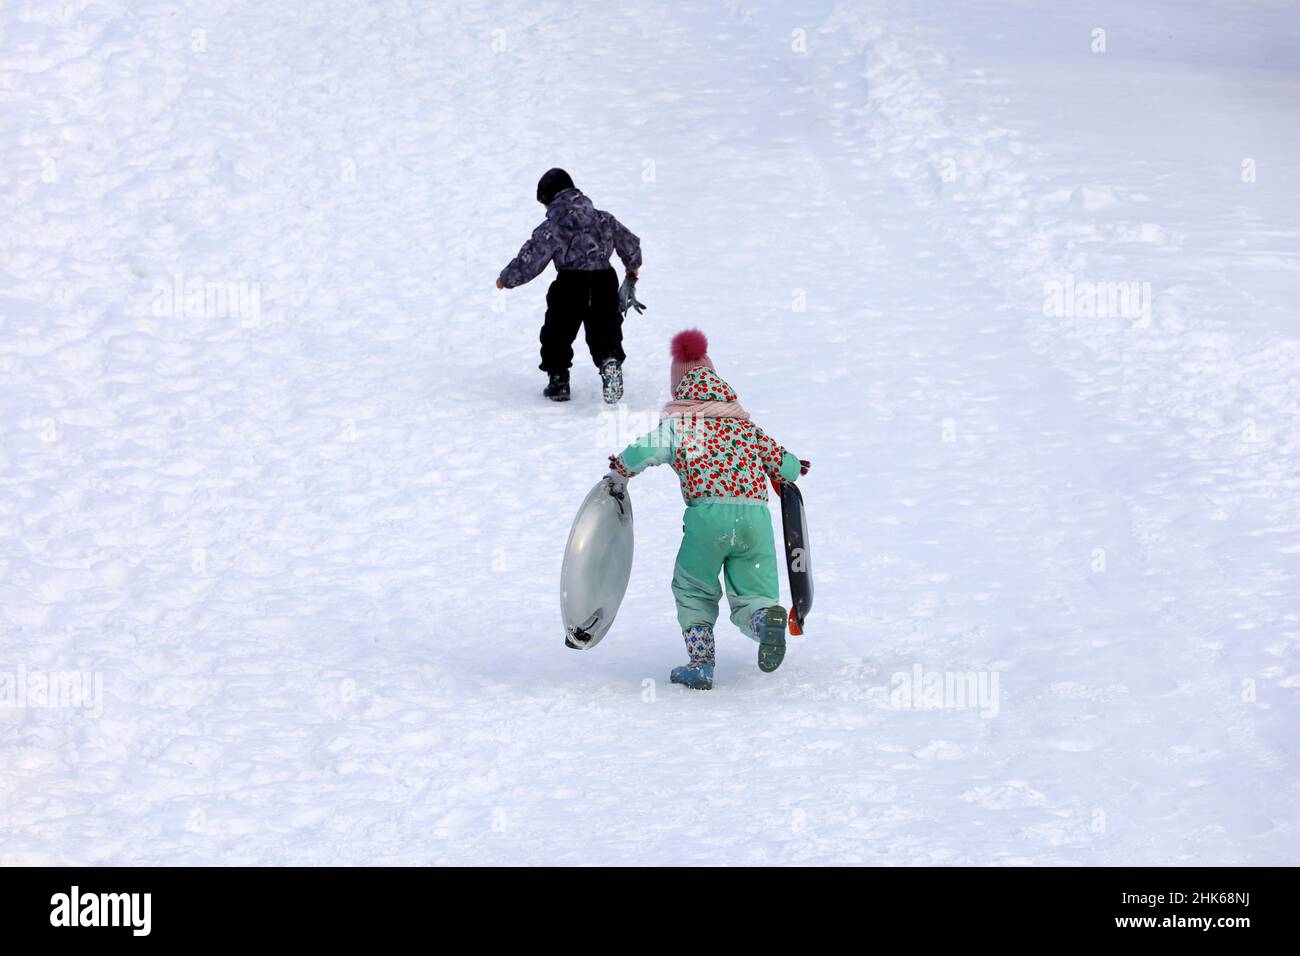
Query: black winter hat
{"points": [[553, 182]]}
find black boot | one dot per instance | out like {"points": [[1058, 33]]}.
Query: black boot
{"points": [[557, 389], [611, 378]]}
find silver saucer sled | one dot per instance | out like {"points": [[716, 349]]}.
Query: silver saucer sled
{"points": [[597, 565]]}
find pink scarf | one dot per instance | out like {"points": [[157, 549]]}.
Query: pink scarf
{"points": [[685, 408]]}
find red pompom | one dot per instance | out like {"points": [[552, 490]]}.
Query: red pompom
{"points": [[689, 346]]}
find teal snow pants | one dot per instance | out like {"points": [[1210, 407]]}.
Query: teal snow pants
{"points": [[735, 539]]}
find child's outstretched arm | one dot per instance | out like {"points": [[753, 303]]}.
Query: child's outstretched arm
{"points": [[627, 245], [533, 257], [652, 448], [779, 464]]}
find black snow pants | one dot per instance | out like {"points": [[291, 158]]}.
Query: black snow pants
{"points": [[581, 298]]}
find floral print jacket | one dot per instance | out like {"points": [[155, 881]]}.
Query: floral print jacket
{"points": [[724, 458]]}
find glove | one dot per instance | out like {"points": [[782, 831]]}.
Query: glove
{"points": [[627, 296], [804, 465], [618, 483]]}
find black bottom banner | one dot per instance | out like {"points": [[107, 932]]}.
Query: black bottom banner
{"points": [[1226, 907]]}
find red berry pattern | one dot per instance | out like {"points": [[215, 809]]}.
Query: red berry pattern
{"points": [[721, 457]]}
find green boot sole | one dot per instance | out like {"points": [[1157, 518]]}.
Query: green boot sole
{"points": [[771, 640]]}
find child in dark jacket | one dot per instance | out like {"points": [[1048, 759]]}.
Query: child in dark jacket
{"points": [[579, 239], [724, 462]]}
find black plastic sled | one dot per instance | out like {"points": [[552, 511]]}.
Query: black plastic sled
{"points": [[798, 559]]}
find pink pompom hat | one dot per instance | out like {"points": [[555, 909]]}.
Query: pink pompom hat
{"points": [[690, 349]]}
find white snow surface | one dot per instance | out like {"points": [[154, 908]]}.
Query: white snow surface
{"points": [[312, 549]]}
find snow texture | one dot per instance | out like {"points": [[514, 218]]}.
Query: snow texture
{"points": [[1028, 305]]}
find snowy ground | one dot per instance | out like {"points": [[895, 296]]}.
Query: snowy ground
{"points": [[311, 549]]}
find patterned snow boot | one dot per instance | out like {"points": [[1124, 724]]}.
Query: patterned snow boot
{"points": [[611, 380], [698, 674], [768, 625]]}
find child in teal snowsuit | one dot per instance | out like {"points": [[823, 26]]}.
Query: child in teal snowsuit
{"points": [[723, 461]]}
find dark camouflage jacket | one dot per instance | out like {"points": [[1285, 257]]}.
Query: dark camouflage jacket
{"points": [[575, 235]]}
